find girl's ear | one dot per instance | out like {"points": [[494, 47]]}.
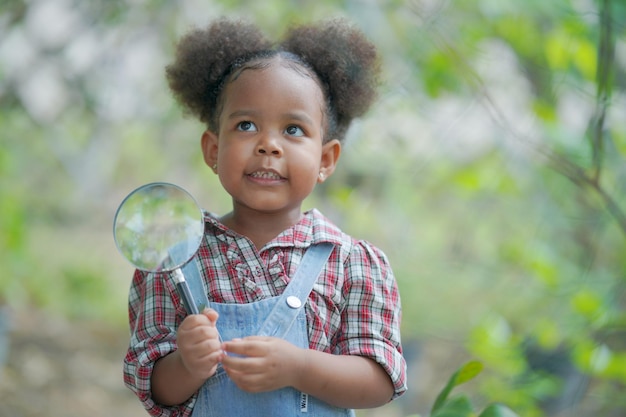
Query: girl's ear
{"points": [[209, 149], [330, 155]]}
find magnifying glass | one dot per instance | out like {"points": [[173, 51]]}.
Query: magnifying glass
{"points": [[158, 228]]}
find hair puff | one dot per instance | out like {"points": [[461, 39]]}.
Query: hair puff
{"points": [[345, 61], [202, 58]]}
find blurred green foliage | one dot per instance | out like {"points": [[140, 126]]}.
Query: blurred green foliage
{"points": [[492, 171], [460, 405]]}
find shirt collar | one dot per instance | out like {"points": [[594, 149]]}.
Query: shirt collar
{"points": [[312, 228]]}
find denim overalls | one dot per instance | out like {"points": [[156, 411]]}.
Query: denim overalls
{"points": [[281, 316]]}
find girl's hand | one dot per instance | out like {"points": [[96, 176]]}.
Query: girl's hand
{"points": [[262, 363], [199, 344]]}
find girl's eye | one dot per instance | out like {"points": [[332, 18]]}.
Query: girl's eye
{"points": [[294, 131], [246, 126]]}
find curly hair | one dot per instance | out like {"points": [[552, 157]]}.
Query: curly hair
{"points": [[336, 54]]}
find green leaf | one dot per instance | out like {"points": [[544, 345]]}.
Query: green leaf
{"points": [[443, 395], [468, 372], [462, 375], [456, 407], [497, 410]]}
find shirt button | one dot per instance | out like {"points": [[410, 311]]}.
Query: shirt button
{"points": [[294, 302]]}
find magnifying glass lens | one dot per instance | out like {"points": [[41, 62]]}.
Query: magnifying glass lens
{"points": [[158, 227]]}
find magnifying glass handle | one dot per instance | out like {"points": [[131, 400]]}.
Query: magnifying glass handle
{"points": [[185, 292]]}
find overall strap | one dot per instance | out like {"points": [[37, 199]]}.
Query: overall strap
{"points": [[294, 297]]}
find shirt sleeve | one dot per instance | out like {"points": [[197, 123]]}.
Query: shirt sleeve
{"points": [[154, 311], [371, 313]]}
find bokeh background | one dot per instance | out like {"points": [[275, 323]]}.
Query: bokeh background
{"points": [[492, 171]]}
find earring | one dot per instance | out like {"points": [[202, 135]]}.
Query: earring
{"points": [[322, 176], [214, 166]]}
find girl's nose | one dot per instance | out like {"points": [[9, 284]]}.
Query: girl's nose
{"points": [[268, 145]]}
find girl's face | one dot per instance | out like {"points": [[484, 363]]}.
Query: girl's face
{"points": [[268, 149]]}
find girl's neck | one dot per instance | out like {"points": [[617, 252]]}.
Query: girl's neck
{"points": [[260, 227]]}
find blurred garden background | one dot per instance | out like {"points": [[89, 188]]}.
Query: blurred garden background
{"points": [[492, 171]]}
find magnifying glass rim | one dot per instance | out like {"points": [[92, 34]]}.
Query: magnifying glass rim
{"points": [[159, 184]]}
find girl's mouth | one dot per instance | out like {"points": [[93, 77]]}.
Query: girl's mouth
{"points": [[266, 175]]}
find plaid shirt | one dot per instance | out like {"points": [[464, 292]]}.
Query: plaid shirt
{"points": [[354, 308]]}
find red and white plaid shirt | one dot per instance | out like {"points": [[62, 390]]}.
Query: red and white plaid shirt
{"points": [[354, 308]]}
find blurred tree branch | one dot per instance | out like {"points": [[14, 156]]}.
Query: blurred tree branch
{"points": [[597, 129], [606, 57]]}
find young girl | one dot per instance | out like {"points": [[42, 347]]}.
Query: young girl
{"points": [[279, 337]]}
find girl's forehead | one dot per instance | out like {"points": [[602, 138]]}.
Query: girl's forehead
{"points": [[277, 61], [274, 79], [278, 66]]}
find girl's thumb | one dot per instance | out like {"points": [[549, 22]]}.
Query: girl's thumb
{"points": [[211, 314]]}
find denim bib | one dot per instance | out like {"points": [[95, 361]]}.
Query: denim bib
{"points": [[282, 316]]}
